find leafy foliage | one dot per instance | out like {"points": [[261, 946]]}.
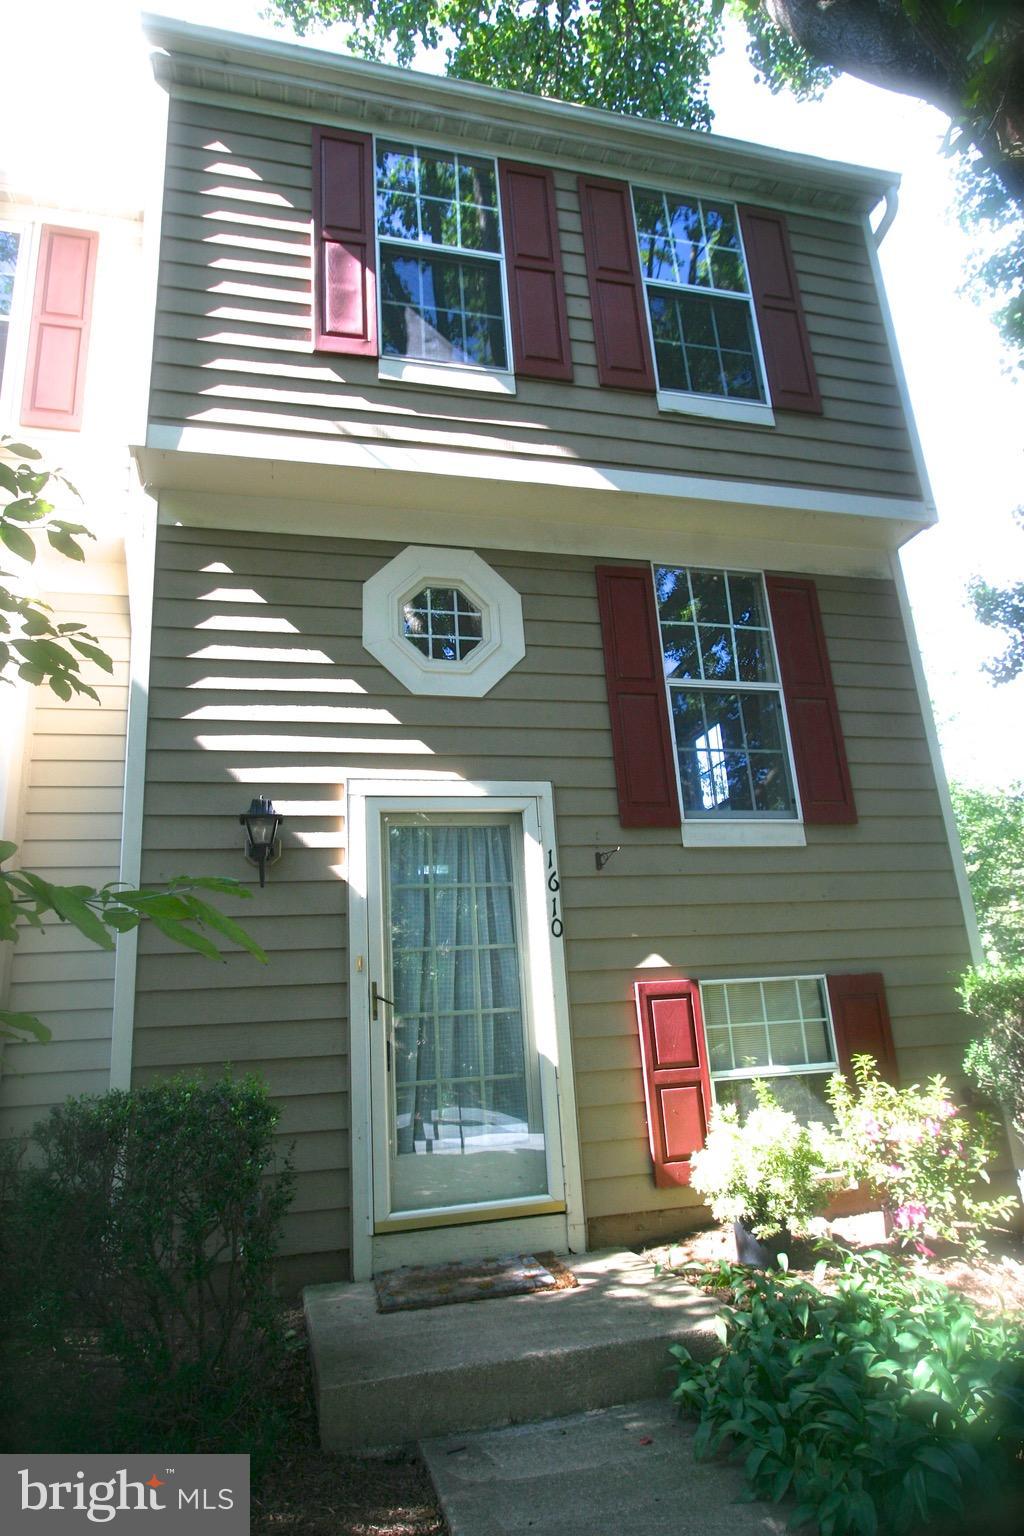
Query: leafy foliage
{"points": [[32, 646], [880, 1408], [38, 651], [916, 1149], [1003, 607], [766, 1172], [145, 1229], [994, 995], [991, 827]]}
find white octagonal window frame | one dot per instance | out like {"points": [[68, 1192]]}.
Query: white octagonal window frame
{"points": [[422, 565]]}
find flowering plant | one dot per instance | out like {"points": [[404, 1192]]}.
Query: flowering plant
{"points": [[769, 1173], [916, 1149]]}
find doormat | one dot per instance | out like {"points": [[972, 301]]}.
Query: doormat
{"points": [[442, 1285]]}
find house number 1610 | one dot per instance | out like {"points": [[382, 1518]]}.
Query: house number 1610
{"points": [[554, 886]]}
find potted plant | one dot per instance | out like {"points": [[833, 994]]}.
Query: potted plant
{"points": [[767, 1174]]}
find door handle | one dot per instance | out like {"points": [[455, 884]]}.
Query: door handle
{"points": [[375, 998]]}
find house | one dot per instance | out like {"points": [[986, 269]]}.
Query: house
{"points": [[529, 483], [72, 384]]}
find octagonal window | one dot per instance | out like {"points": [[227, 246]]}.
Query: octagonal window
{"points": [[442, 623]]}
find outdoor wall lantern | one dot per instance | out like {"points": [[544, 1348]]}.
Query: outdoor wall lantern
{"points": [[262, 844]]}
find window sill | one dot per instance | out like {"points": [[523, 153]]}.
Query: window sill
{"points": [[752, 412], [485, 381], [743, 834]]}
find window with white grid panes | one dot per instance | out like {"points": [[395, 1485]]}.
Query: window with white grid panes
{"points": [[698, 296], [439, 241], [11, 247], [778, 1030], [442, 623], [725, 699]]}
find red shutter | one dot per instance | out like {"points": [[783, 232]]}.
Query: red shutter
{"points": [[860, 1016], [822, 772], [344, 243], [616, 287], [59, 334], [641, 730], [677, 1085], [533, 257], [780, 312]]}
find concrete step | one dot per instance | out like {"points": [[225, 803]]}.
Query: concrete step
{"points": [[625, 1471], [385, 1379]]}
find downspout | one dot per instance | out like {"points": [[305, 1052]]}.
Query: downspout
{"points": [[892, 204]]}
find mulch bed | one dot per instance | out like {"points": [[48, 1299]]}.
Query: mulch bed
{"points": [[310, 1492], [994, 1282]]}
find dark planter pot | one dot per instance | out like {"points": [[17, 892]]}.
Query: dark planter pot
{"points": [[760, 1252]]}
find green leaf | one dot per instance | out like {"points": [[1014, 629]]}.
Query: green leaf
{"points": [[7, 850], [9, 480], [14, 1024], [64, 544], [18, 542], [21, 451], [212, 918], [187, 937], [74, 910], [93, 653]]}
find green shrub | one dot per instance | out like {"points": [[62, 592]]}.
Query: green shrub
{"points": [[766, 1171], [883, 1407], [917, 1149], [994, 995], [142, 1235]]}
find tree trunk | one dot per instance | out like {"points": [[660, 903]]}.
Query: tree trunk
{"points": [[877, 41]]}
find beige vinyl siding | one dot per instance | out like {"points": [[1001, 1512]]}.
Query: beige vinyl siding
{"points": [[69, 832], [233, 340], [880, 895]]}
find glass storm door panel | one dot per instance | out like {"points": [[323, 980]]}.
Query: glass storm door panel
{"points": [[466, 1123]]}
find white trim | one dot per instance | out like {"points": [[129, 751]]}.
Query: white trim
{"points": [[342, 453], [800, 1069], [754, 412], [734, 833], [902, 387], [482, 381], [956, 851], [418, 566], [140, 556], [548, 977]]}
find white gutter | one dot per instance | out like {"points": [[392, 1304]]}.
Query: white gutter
{"points": [[892, 204]]}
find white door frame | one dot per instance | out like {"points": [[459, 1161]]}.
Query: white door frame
{"points": [[533, 802]]}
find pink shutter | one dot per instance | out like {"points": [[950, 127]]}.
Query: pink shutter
{"points": [[677, 1084], [344, 243], [641, 729], [822, 771], [533, 257], [780, 312], [616, 287], [59, 332], [860, 1017]]}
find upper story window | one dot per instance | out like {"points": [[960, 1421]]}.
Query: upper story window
{"points": [[698, 297], [11, 241], [725, 697], [442, 623], [439, 239]]}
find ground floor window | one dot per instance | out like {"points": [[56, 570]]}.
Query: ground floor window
{"points": [[778, 1029]]}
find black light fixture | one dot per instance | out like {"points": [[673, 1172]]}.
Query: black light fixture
{"points": [[602, 855], [262, 844]]}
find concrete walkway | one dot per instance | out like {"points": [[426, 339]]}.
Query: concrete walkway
{"points": [[625, 1471], [387, 1379]]}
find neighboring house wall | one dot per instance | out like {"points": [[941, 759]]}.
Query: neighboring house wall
{"points": [[879, 895], [69, 831], [234, 352]]}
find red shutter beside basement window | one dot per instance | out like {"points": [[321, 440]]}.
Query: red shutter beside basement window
{"points": [[59, 333], [780, 311], [860, 1017], [536, 288], [616, 287], [822, 772], [641, 730], [677, 1085], [344, 251]]}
